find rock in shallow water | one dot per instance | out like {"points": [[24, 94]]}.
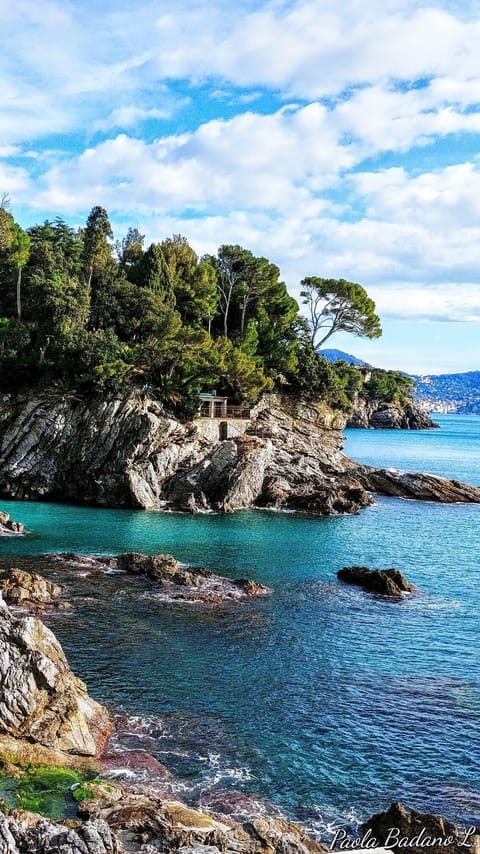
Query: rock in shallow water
{"points": [[8, 526], [386, 582], [24, 588], [41, 701], [419, 486], [406, 830], [175, 582]]}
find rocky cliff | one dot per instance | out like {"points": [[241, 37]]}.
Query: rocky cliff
{"points": [[130, 452], [389, 416]]}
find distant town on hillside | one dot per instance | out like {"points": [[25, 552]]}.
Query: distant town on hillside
{"points": [[457, 393]]}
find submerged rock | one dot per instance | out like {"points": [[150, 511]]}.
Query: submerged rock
{"points": [[42, 703], [176, 582], [386, 582], [24, 588], [8, 526], [406, 830]]}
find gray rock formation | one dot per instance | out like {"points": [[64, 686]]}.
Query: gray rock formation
{"points": [[130, 452], [24, 588], [23, 833], [124, 822], [8, 527], [290, 456], [41, 701], [169, 826], [390, 416], [386, 582], [420, 486]]}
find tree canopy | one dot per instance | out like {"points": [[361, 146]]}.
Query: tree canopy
{"points": [[82, 313], [335, 305]]}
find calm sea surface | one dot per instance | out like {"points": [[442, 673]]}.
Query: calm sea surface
{"points": [[327, 701]]}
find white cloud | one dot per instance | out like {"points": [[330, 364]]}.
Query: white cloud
{"points": [[393, 75], [130, 116], [251, 161]]}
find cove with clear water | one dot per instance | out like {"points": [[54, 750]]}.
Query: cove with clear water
{"points": [[321, 698]]}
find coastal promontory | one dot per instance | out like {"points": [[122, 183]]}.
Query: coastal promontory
{"points": [[131, 451]]}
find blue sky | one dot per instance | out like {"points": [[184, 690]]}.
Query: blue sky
{"points": [[337, 139]]}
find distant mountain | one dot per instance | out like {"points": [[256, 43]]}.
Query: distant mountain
{"points": [[449, 392], [340, 356], [458, 393]]}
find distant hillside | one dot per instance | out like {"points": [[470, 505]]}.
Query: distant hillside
{"points": [[459, 393], [340, 356], [450, 392]]}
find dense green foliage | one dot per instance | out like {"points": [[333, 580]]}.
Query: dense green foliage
{"points": [[82, 314]]}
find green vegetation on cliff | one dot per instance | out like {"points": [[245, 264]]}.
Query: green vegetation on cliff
{"points": [[80, 313], [44, 789]]}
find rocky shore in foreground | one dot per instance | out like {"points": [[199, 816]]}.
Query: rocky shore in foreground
{"points": [[48, 719], [129, 452]]}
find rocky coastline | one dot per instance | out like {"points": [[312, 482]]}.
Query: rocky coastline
{"points": [[381, 415], [130, 452], [48, 719]]}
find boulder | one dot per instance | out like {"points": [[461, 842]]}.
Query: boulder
{"points": [[24, 588], [23, 833], [386, 582], [401, 829], [41, 701], [8, 526]]}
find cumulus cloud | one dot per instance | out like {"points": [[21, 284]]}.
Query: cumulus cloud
{"points": [[304, 98]]}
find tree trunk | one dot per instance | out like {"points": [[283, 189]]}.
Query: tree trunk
{"points": [[19, 293], [242, 321]]}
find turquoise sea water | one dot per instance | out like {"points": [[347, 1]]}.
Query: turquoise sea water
{"points": [[321, 698]]}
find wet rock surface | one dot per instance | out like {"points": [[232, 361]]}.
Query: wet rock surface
{"points": [[385, 582], [165, 825], [174, 581], [420, 832]]}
